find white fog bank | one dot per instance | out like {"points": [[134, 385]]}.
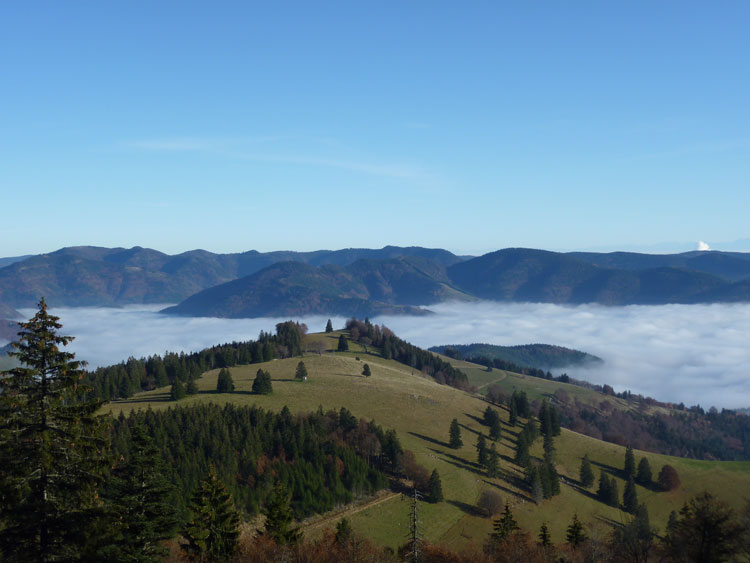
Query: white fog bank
{"points": [[697, 354]]}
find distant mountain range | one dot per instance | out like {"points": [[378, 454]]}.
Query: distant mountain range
{"points": [[364, 281]]}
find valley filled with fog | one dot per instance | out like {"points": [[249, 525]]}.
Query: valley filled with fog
{"points": [[697, 354]]}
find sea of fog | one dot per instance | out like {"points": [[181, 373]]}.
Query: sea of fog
{"points": [[697, 354]]}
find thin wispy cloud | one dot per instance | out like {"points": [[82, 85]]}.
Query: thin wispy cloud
{"points": [[251, 149], [681, 353], [707, 148]]}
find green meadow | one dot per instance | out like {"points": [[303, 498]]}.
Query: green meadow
{"points": [[420, 410]]}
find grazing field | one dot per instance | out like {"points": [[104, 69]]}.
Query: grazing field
{"points": [[421, 411]]}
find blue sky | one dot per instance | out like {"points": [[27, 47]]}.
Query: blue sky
{"points": [[470, 126]]}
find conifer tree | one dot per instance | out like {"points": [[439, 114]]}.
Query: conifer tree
{"points": [[630, 497], [301, 372], [522, 451], [366, 370], [493, 462], [343, 344], [575, 535], [635, 539], [586, 472], [435, 487], [224, 383], [481, 450], [213, 530], [513, 418], [505, 525], [629, 463], [344, 530], [178, 391], [545, 539], [604, 490], [192, 387], [644, 475], [329, 326], [279, 517], [550, 453], [455, 435], [495, 428], [262, 384], [52, 450], [139, 496]]}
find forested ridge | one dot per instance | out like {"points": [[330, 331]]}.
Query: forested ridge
{"points": [[323, 459], [129, 377]]}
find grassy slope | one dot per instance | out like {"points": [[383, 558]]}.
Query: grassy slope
{"points": [[421, 410]]}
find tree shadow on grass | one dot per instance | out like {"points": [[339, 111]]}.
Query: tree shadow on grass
{"points": [[469, 509], [470, 429], [460, 463], [161, 398], [507, 491], [611, 470], [474, 418], [431, 440]]}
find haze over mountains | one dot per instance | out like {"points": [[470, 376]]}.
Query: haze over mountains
{"points": [[364, 281]]}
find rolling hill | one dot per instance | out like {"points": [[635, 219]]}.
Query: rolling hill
{"points": [[366, 287], [421, 410]]}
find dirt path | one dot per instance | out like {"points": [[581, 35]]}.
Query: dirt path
{"points": [[330, 519]]}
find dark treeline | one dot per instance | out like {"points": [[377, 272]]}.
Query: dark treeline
{"points": [[134, 375], [323, 459], [392, 347], [717, 435]]}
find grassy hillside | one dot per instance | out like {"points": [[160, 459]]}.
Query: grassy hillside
{"points": [[421, 410]]}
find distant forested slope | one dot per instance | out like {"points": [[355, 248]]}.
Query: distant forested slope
{"points": [[540, 356]]}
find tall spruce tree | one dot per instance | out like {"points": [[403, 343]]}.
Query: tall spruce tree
{"points": [[52, 450], [455, 441], [629, 468], [586, 472], [192, 387], [435, 487], [279, 517], [523, 458], [224, 383], [630, 497], [574, 534], [213, 530], [603, 493], [343, 344], [493, 462], [505, 525], [513, 417], [329, 326], [178, 390], [545, 538], [262, 384], [495, 428], [643, 475], [301, 372], [481, 450], [139, 495]]}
